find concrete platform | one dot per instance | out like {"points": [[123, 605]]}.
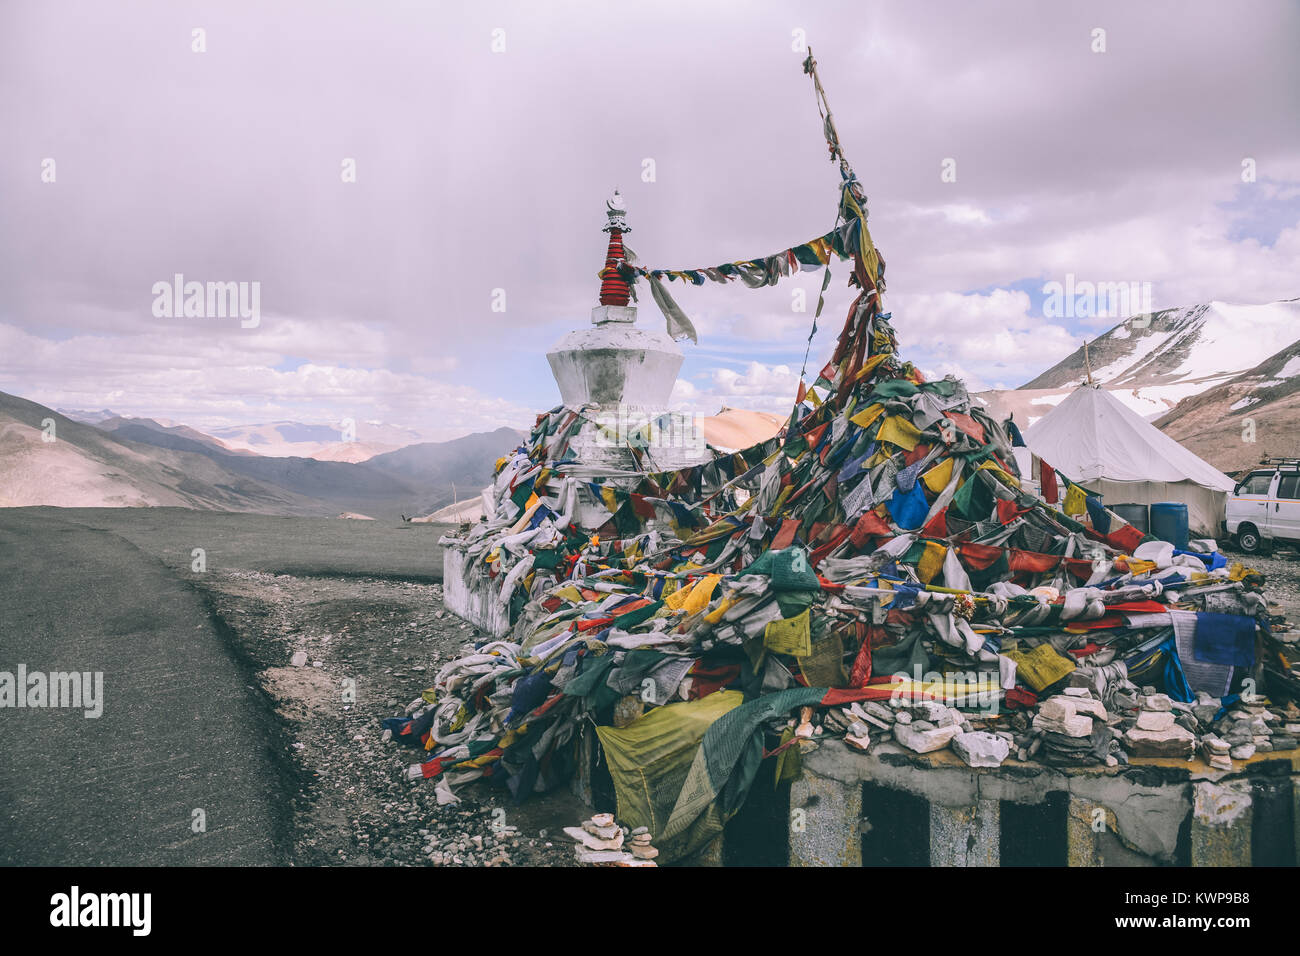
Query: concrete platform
{"points": [[892, 806], [480, 607]]}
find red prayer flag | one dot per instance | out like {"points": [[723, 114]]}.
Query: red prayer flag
{"points": [[1030, 561], [937, 527], [869, 525], [978, 557], [1126, 538], [785, 534], [968, 425], [1047, 482]]}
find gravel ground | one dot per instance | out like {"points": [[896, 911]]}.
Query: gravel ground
{"points": [[1281, 571], [361, 599], [363, 605], [355, 805]]}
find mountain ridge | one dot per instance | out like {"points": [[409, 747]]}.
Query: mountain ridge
{"points": [[126, 462]]}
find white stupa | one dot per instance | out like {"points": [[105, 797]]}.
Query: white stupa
{"points": [[622, 377], [619, 378]]}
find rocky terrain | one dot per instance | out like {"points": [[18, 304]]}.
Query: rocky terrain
{"points": [[1281, 570], [305, 605], [339, 625], [308, 637]]}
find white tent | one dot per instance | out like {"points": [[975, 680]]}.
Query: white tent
{"points": [[1096, 440]]}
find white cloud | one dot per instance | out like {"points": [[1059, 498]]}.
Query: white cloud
{"points": [[759, 387], [383, 287], [684, 393], [232, 380], [989, 337]]}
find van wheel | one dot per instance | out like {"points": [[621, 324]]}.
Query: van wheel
{"points": [[1249, 540]]}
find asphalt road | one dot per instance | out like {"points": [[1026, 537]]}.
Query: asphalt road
{"points": [[277, 545], [182, 729]]}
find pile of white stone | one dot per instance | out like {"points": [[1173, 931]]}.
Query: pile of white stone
{"points": [[1249, 728], [602, 841], [921, 726], [1160, 732], [1145, 724]]}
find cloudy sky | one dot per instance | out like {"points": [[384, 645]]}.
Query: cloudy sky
{"points": [[485, 138]]}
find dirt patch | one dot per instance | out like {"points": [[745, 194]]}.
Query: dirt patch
{"points": [[366, 647], [302, 693]]}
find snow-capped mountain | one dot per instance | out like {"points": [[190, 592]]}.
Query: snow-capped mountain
{"points": [[1252, 416], [1152, 362]]}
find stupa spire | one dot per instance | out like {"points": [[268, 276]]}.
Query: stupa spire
{"points": [[614, 289]]}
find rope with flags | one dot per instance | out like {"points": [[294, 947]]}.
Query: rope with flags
{"points": [[849, 239]]}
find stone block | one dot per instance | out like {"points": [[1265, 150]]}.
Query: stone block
{"points": [[980, 749]]}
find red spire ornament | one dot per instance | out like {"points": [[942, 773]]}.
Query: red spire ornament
{"points": [[614, 289]]}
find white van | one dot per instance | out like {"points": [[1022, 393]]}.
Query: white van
{"points": [[1264, 508]]}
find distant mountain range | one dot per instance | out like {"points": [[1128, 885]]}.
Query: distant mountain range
{"points": [[283, 439], [1168, 365], [87, 416], [323, 442], [1163, 357], [84, 466], [1262, 404], [140, 461], [1211, 376], [182, 434]]}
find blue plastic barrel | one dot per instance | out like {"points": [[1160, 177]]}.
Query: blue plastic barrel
{"points": [[1169, 522]]}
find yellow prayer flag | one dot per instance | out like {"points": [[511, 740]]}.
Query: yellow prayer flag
{"points": [[1010, 480], [701, 594], [867, 415], [790, 635], [1041, 667], [931, 561], [884, 599], [937, 478], [897, 430], [714, 616], [870, 365], [678, 597]]}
